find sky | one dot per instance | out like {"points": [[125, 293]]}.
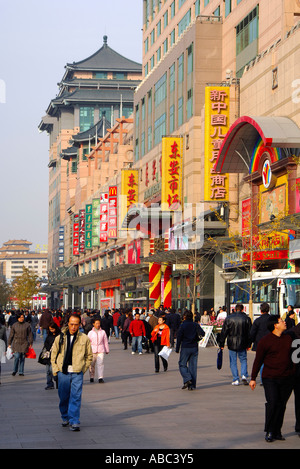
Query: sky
{"points": [[37, 39]]}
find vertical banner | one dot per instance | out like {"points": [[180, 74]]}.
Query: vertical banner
{"points": [[61, 244], [129, 190], [112, 212], [76, 235], [88, 226], [103, 217], [167, 286], [81, 231], [95, 222], [171, 165], [216, 185]]}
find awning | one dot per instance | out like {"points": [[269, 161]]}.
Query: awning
{"points": [[236, 150]]}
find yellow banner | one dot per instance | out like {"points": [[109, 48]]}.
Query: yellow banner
{"points": [[129, 190], [216, 185], [171, 176]]}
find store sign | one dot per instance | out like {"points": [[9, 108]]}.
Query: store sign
{"points": [[216, 185], [103, 217], [171, 164], [112, 212], [88, 226], [81, 231], [76, 235], [95, 222], [129, 190]]}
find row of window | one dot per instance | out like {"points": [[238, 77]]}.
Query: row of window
{"points": [[87, 113], [160, 119]]}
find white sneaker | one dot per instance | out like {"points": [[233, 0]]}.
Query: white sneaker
{"points": [[244, 380], [235, 383], [140, 353], [132, 353]]}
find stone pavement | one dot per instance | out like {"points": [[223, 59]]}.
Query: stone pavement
{"points": [[138, 409]]}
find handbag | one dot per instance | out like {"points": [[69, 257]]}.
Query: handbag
{"points": [[31, 353], [219, 358], [165, 352], [44, 357]]}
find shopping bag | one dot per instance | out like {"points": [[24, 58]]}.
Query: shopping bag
{"points": [[2, 351], [31, 353], [9, 354], [165, 352], [219, 358]]}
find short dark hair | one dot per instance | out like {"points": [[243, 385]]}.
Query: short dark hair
{"points": [[264, 307], [273, 319], [239, 307], [96, 318], [75, 315], [188, 314]]}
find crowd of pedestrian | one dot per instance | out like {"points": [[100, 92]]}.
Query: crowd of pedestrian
{"points": [[75, 342]]}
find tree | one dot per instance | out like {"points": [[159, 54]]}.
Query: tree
{"points": [[25, 286], [5, 293]]}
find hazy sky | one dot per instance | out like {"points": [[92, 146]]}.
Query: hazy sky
{"points": [[37, 39]]}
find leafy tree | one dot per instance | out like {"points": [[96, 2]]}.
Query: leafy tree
{"points": [[25, 286]]}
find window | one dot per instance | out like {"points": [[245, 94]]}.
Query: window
{"points": [[172, 119], [101, 75], [158, 54], [146, 45], [172, 37], [247, 31], [197, 7], [152, 37], [180, 111], [180, 69], [159, 128], [160, 90], [120, 76], [189, 104], [86, 118], [165, 45], [152, 62], [227, 7], [166, 21], [183, 24], [172, 9], [180, 3], [217, 11], [190, 59], [172, 78], [158, 29]]}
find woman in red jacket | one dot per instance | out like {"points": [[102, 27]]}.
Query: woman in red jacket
{"points": [[160, 337]]}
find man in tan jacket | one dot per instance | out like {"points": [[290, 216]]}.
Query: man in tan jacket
{"points": [[71, 356]]}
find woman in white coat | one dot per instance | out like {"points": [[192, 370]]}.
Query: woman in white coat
{"points": [[100, 347]]}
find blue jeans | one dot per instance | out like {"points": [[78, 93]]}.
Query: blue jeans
{"points": [[70, 392], [116, 331], [188, 364], [49, 376], [137, 344], [233, 356], [19, 362]]}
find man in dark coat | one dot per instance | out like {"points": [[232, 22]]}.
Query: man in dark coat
{"points": [[236, 329], [19, 340]]}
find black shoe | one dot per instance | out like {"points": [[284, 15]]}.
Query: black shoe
{"points": [[14, 373], [74, 428], [21, 374], [187, 384], [91, 380], [279, 437], [269, 437], [100, 380], [49, 387]]}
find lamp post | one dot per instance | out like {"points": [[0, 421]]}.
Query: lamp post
{"points": [[227, 276]]}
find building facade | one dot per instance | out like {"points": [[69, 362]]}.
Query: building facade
{"points": [[160, 208]]}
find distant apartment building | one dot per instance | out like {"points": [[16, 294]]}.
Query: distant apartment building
{"points": [[16, 254]]}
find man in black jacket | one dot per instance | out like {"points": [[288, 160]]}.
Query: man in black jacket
{"points": [[236, 329], [188, 336]]}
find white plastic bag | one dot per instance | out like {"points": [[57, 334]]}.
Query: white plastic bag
{"points": [[2, 351], [9, 353], [165, 352]]}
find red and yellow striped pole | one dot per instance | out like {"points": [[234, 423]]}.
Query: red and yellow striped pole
{"points": [[155, 278], [167, 286]]}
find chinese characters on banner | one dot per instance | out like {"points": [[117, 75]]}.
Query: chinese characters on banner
{"points": [[216, 186], [95, 222], [129, 190], [88, 226], [81, 231], [112, 212], [76, 235], [103, 217], [171, 189]]}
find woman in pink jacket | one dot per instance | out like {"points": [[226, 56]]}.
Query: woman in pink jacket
{"points": [[100, 347]]}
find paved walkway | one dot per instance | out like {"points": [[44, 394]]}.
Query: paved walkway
{"points": [[138, 409]]}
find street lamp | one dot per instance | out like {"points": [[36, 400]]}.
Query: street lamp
{"points": [[227, 276]]}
